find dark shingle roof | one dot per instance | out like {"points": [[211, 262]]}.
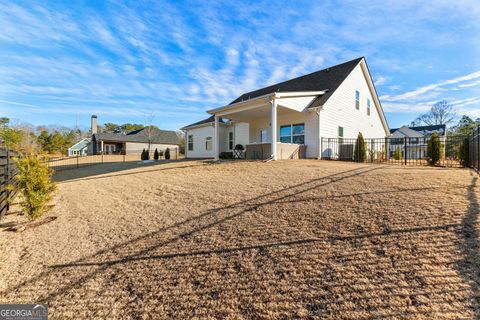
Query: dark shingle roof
{"points": [[440, 128], [327, 79], [156, 136], [208, 120]]}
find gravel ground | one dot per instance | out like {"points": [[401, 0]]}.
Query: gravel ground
{"points": [[250, 240]]}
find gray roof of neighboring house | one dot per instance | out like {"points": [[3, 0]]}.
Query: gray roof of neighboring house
{"points": [[204, 121], [80, 145], [327, 79], [141, 136], [426, 130]]}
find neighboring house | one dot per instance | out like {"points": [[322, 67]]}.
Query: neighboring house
{"points": [[79, 148], [337, 102], [131, 142], [415, 144]]}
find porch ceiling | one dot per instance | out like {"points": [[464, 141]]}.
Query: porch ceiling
{"points": [[260, 112]]}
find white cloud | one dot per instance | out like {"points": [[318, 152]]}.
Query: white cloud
{"points": [[381, 80]]}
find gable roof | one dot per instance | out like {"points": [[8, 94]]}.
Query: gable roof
{"points": [[141, 136], [406, 132], [328, 79], [204, 121], [80, 145], [426, 130]]}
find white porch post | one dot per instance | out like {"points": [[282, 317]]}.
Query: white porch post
{"points": [[216, 141], [274, 128]]}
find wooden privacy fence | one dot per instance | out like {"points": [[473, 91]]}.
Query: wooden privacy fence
{"points": [[8, 173]]}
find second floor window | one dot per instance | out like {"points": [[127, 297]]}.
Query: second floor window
{"points": [[357, 99], [368, 107]]}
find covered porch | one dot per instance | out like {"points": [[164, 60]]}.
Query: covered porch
{"points": [[288, 119]]}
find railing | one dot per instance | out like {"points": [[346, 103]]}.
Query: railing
{"points": [[404, 151], [8, 173], [472, 148]]}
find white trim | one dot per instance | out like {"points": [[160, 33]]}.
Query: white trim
{"points": [[274, 128]]}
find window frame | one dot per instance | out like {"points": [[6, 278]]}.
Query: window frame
{"points": [[190, 142], [262, 131], [357, 99], [340, 136], [207, 140], [292, 135], [231, 140], [368, 106]]}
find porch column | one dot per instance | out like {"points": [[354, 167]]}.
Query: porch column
{"points": [[273, 121], [216, 142]]}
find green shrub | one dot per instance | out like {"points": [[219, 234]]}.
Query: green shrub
{"points": [[147, 154], [142, 156], [434, 149], [167, 154], [360, 152], [397, 155], [34, 184], [155, 154], [226, 155]]}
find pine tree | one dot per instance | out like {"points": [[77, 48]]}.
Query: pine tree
{"points": [[155, 154], [434, 149], [167, 154], [143, 155], [360, 152]]}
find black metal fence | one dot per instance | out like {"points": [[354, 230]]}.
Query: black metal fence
{"points": [[472, 149], [8, 173], [402, 151]]}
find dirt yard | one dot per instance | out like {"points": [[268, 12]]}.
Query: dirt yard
{"points": [[248, 240]]}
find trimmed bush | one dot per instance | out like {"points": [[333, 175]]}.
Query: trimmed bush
{"points": [[142, 156], [360, 152], [147, 154], [434, 149], [464, 152], [397, 155], [155, 154], [167, 154], [35, 185], [226, 155]]}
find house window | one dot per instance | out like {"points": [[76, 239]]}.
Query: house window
{"points": [[293, 133], [230, 140], [190, 143], [368, 107], [263, 135], [208, 143], [340, 134], [357, 99]]}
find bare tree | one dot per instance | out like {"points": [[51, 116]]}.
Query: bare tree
{"points": [[440, 113], [149, 128]]}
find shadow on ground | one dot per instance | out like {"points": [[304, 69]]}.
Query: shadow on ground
{"points": [[292, 253]]}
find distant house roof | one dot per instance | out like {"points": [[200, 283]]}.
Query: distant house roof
{"points": [[141, 136], [328, 79], [424, 130], [80, 145], [204, 121]]}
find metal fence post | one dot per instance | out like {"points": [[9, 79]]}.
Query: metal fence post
{"points": [[405, 151], [478, 148], [8, 179], [102, 156], [124, 156], [77, 160]]}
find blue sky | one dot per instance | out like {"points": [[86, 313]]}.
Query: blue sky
{"points": [[61, 61]]}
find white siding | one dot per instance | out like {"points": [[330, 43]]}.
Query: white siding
{"points": [[340, 110]]}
